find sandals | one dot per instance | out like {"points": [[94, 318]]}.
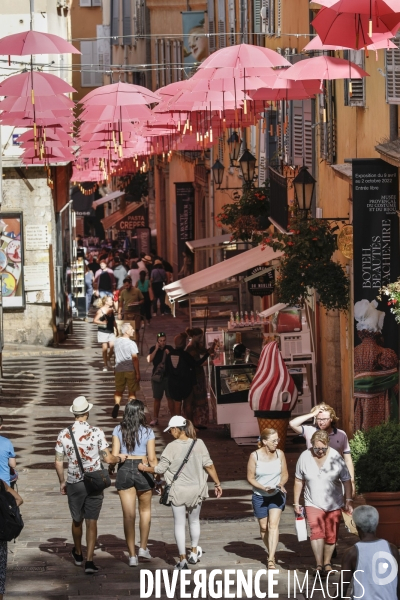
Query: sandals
{"points": [[318, 569], [271, 564], [329, 570]]}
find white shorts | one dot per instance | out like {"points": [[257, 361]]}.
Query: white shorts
{"points": [[103, 337]]}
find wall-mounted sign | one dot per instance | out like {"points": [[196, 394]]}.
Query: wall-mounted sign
{"points": [[184, 217], [37, 277], [36, 237], [12, 260], [135, 219], [263, 284], [143, 240], [345, 241]]}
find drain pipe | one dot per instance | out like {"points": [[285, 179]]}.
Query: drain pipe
{"points": [[212, 203], [393, 122]]}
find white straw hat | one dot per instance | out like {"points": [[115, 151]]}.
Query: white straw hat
{"points": [[80, 406], [176, 421]]}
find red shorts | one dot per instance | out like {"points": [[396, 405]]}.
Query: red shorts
{"points": [[323, 524]]}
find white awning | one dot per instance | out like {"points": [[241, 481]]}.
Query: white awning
{"points": [[273, 309], [221, 271], [209, 242], [107, 198]]}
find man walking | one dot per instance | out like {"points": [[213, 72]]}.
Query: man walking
{"points": [[129, 303], [7, 457], [127, 371], [119, 272], [104, 280], [373, 561], [93, 449]]}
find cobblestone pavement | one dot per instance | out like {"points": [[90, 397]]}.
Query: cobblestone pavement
{"points": [[38, 388]]}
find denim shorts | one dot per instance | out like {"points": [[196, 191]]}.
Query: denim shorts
{"points": [[263, 504], [129, 476]]}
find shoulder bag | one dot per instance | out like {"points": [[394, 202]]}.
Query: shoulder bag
{"points": [[95, 481], [159, 371], [11, 523], [165, 493]]}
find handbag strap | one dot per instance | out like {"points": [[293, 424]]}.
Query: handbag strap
{"points": [[184, 461], [78, 456], [163, 358]]}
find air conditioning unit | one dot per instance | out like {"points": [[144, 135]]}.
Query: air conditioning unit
{"points": [[295, 344]]}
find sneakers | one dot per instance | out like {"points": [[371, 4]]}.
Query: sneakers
{"points": [[90, 567], [133, 561], [181, 565], [154, 422], [105, 369], [145, 553], [115, 411], [193, 557], [78, 558]]}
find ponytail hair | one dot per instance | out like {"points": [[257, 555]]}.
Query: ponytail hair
{"points": [[194, 331], [265, 435], [189, 430]]}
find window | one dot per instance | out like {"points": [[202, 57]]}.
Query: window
{"points": [[115, 23], [211, 26], [232, 22], [301, 133], [86, 3], [354, 89], [243, 22], [127, 22], [327, 123], [221, 24], [265, 22], [393, 73], [91, 74]]}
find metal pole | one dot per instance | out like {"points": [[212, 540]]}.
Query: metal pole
{"points": [[32, 10]]}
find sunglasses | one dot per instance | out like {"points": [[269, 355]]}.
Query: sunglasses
{"points": [[320, 449], [161, 335]]}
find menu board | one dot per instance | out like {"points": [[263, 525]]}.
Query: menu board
{"points": [[11, 260]]}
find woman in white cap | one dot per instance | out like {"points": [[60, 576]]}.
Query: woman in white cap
{"points": [[190, 488]]}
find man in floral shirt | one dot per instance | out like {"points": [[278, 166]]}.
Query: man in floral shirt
{"points": [[93, 449]]}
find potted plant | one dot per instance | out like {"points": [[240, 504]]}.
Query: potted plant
{"points": [[375, 454]]}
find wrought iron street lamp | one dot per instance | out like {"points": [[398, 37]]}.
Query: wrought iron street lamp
{"points": [[304, 185], [234, 147], [248, 165], [218, 172]]}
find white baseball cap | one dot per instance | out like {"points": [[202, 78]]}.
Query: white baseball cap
{"points": [[80, 406], [176, 421]]}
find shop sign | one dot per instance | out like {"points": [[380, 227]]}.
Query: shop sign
{"points": [[376, 264], [135, 219], [263, 284], [184, 217], [82, 203], [143, 240]]}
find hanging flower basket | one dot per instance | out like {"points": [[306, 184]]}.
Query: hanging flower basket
{"points": [[392, 291]]}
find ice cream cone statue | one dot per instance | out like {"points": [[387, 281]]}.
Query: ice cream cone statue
{"points": [[273, 393]]}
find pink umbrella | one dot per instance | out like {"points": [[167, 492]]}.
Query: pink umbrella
{"points": [[42, 103], [351, 30], [44, 84], [323, 67], [286, 89], [120, 94], [244, 55], [117, 114], [366, 7], [380, 42], [56, 134], [35, 42]]}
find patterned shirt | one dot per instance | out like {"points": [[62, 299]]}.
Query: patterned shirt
{"points": [[90, 441]]}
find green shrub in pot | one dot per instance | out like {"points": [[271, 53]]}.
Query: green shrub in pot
{"points": [[376, 457]]}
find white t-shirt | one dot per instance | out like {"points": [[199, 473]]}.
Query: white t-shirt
{"points": [[134, 274], [322, 486], [124, 349]]}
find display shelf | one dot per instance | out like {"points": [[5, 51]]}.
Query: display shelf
{"points": [[203, 305]]}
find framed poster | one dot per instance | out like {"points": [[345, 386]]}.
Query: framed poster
{"points": [[12, 260], [195, 40]]}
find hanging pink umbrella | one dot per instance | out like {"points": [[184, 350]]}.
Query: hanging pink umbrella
{"points": [[286, 89], [13, 104], [380, 42], [44, 84], [366, 7], [244, 55], [35, 42], [351, 30], [120, 94], [323, 67], [117, 114]]}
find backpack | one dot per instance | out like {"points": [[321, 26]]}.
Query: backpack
{"points": [[181, 379], [11, 523]]}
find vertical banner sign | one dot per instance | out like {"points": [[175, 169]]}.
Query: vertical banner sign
{"points": [[184, 217], [195, 40], [376, 264]]}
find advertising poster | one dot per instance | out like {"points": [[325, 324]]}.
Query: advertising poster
{"points": [[195, 41], [184, 218], [376, 264], [11, 260]]}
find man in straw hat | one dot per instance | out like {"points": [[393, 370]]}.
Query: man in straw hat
{"points": [[93, 449]]}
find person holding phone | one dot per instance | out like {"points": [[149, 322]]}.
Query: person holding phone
{"points": [[267, 473], [155, 356]]}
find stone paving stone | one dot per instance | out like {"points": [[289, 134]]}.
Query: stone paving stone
{"points": [[35, 410]]}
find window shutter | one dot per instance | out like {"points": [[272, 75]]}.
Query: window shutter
{"points": [[355, 96], [393, 73], [86, 62], [96, 2], [269, 26], [232, 22], [103, 47], [272, 141], [85, 3], [157, 57], [161, 54], [126, 22], [243, 21], [257, 16], [301, 133], [179, 60], [211, 26], [326, 110], [168, 62], [253, 139], [221, 149], [221, 24], [115, 22]]}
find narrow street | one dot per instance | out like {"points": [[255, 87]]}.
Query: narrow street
{"points": [[36, 406]]}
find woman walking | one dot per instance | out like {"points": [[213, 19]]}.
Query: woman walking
{"points": [[3, 545], [105, 320], [158, 279], [267, 473], [189, 490], [144, 285], [134, 440], [322, 471], [89, 279], [199, 399], [134, 272]]}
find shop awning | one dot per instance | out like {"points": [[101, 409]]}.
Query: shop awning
{"points": [[273, 309], [221, 271], [116, 216], [107, 198], [209, 242]]}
